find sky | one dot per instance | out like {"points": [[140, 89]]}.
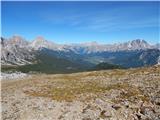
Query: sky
{"points": [[77, 22]]}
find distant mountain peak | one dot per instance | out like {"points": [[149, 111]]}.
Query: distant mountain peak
{"points": [[139, 41], [39, 42], [138, 44], [40, 39], [16, 39]]}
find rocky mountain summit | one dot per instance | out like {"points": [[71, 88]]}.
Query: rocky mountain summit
{"points": [[41, 42]]}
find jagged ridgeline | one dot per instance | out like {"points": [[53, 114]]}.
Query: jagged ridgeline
{"points": [[40, 55]]}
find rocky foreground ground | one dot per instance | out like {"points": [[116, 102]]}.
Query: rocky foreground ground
{"points": [[132, 94]]}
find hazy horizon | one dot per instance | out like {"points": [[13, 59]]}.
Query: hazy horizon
{"points": [[80, 22]]}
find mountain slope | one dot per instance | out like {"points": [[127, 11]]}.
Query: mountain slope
{"points": [[45, 63], [16, 51], [136, 58]]}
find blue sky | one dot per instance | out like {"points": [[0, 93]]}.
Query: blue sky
{"points": [[76, 22]]}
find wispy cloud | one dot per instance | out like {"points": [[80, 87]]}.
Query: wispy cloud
{"points": [[103, 21], [114, 25]]}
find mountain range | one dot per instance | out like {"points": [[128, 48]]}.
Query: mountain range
{"points": [[42, 55]]}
